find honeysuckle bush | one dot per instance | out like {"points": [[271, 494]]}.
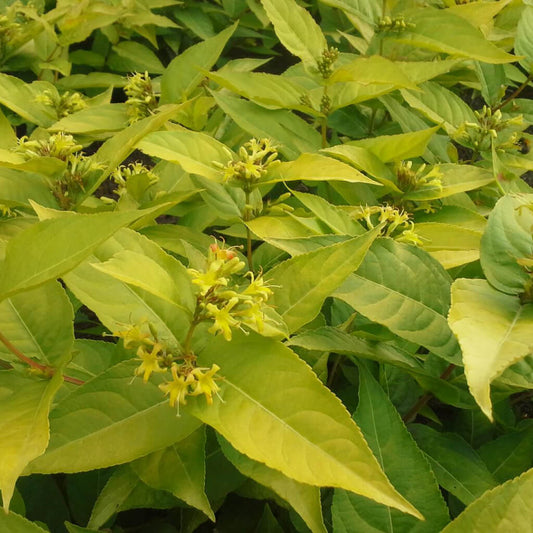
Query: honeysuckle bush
{"points": [[266, 266]]}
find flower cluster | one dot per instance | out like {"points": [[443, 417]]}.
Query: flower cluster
{"points": [[61, 146], [224, 300], [255, 158], [156, 356], [125, 177], [64, 104], [325, 63], [142, 100], [481, 135], [396, 24], [412, 180], [395, 223]]}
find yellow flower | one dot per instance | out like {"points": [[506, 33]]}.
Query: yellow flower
{"points": [[150, 361], [257, 288], [204, 382], [223, 319], [178, 388]]}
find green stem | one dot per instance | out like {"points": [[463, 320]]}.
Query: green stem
{"points": [[188, 338], [324, 131], [424, 399], [247, 216], [47, 370], [514, 94]]}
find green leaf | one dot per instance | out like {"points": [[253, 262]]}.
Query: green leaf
{"points": [[510, 454], [92, 120], [297, 30], [338, 220], [293, 134], [402, 461], [14, 523], [330, 339], [131, 56], [108, 421], [179, 469], [17, 187], [167, 279], [457, 466], [523, 44], [397, 147], [23, 424], [440, 105], [195, 152], [394, 277], [506, 239], [492, 79], [276, 411], [316, 167], [101, 292], [494, 331], [455, 36], [500, 510], [40, 331], [46, 250], [185, 71], [19, 96], [307, 280], [304, 499]]}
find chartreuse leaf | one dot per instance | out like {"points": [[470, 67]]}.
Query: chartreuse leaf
{"points": [[316, 167], [14, 523], [98, 119], [395, 276], [179, 469], [508, 238], [19, 96], [110, 420], [186, 71], [524, 37], [46, 250], [453, 179], [440, 105], [402, 461], [276, 411], [25, 402], [500, 510], [278, 92], [455, 36], [296, 29], [18, 186], [113, 152], [457, 466], [38, 322], [397, 147], [304, 499], [195, 152], [307, 280], [293, 134], [168, 280], [119, 304], [494, 330], [372, 70]]}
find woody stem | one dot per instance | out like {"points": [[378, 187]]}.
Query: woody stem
{"points": [[34, 364]]}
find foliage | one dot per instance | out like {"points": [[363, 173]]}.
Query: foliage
{"points": [[266, 255]]}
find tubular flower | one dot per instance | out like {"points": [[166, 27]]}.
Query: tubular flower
{"points": [[177, 389], [223, 318], [204, 382], [150, 361], [257, 288]]}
